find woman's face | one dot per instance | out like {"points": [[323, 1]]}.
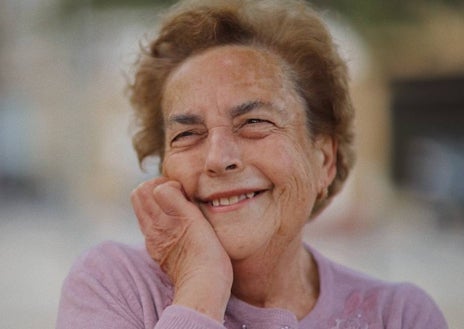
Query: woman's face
{"points": [[237, 141]]}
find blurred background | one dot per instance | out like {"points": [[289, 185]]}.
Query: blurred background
{"points": [[67, 166]]}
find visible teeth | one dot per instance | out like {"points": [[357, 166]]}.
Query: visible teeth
{"points": [[232, 200]]}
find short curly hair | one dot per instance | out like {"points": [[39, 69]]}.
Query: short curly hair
{"points": [[288, 28]]}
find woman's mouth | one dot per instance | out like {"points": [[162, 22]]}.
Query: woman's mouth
{"points": [[228, 201]]}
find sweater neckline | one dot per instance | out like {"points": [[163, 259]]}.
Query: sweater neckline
{"points": [[243, 312]]}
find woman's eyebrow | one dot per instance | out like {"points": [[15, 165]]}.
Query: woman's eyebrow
{"points": [[250, 106], [184, 119], [193, 119]]}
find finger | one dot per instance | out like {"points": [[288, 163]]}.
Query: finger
{"points": [[146, 188], [161, 232], [145, 211], [142, 195], [172, 201]]}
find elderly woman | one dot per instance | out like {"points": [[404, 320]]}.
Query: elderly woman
{"points": [[246, 103]]}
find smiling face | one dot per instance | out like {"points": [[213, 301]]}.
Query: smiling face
{"points": [[237, 141]]}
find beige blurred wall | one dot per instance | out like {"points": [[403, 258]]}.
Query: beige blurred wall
{"points": [[431, 48]]}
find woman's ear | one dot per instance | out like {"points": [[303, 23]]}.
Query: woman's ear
{"points": [[326, 147]]}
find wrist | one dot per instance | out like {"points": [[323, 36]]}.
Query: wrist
{"points": [[205, 295]]}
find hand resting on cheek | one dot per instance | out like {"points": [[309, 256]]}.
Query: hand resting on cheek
{"points": [[182, 241]]}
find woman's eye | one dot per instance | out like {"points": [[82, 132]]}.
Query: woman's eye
{"points": [[256, 128], [182, 135], [255, 121]]}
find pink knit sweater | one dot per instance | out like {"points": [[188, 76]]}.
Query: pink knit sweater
{"points": [[120, 287]]}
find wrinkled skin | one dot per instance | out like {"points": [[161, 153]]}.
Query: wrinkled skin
{"points": [[179, 238], [240, 177]]}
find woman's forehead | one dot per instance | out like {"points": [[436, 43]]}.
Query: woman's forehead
{"points": [[227, 72], [229, 61]]}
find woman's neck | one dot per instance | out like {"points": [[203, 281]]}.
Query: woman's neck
{"points": [[288, 279]]}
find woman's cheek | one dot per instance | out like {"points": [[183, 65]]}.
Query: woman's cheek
{"points": [[171, 168], [180, 170]]}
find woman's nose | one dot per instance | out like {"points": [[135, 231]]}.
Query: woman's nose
{"points": [[223, 153]]}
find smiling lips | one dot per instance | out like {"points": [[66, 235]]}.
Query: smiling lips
{"points": [[228, 201]]}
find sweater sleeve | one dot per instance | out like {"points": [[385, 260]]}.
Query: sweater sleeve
{"points": [[176, 316], [87, 303], [106, 288], [419, 311]]}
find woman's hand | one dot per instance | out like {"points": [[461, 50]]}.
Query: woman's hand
{"points": [[181, 240]]}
